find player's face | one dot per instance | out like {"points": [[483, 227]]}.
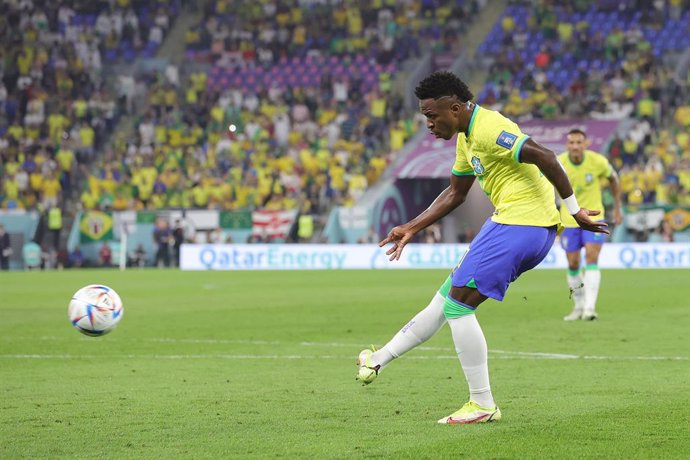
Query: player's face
{"points": [[576, 144], [441, 116]]}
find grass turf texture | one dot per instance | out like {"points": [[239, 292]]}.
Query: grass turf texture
{"points": [[261, 364]]}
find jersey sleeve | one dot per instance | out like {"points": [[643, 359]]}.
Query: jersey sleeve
{"points": [[461, 167], [605, 168], [503, 140]]}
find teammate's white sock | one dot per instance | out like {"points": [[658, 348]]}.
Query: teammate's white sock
{"points": [[418, 330], [576, 289], [592, 281], [470, 345]]}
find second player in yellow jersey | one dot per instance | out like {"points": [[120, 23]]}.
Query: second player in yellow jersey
{"points": [[587, 171], [586, 177]]}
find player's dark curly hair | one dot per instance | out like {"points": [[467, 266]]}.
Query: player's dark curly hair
{"points": [[443, 83]]}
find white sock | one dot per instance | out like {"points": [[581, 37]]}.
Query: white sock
{"points": [[577, 290], [470, 345], [417, 331], [592, 281]]}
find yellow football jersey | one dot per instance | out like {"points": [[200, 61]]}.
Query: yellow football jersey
{"points": [[491, 151], [586, 181]]}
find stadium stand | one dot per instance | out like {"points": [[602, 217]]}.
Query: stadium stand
{"points": [[313, 116], [602, 60], [259, 111], [577, 58], [57, 107]]}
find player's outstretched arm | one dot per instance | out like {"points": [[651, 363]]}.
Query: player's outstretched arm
{"points": [[548, 164], [452, 197]]}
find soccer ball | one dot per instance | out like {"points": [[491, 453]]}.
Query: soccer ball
{"points": [[95, 310]]}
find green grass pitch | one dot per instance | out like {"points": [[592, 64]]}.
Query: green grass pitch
{"points": [[261, 365]]}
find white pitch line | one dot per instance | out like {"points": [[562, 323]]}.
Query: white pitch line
{"points": [[215, 341], [156, 356], [537, 354], [501, 354]]}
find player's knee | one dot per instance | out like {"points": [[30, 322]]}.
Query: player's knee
{"points": [[592, 259], [444, 290], [574, 261], [455, 309]]}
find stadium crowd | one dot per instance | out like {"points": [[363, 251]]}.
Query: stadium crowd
{"points": [[266, 32], [602, 60], [268, 113], [579, 58], [655, 164], [55, 105], [214, 139]]}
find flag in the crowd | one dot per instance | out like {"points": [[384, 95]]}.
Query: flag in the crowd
{"points": [[679, 219], [273, 224], [236, 220], [96, 226]]}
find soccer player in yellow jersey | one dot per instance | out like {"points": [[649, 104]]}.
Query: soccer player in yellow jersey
{"points": [[519, 177], [586, 170]]}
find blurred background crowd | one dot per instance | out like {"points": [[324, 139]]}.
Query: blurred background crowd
{"points": [[301, 104]]}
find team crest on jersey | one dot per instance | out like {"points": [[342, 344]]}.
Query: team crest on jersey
{"points": [[589, 178], [477, 165], [506, 140]]}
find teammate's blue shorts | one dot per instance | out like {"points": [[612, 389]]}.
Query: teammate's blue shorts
{"points": [[499, 254], [574, 238]]}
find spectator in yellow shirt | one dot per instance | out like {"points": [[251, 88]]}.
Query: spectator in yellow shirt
{"points": [[357, 184], [51, 190], [397, 137], [87, 136], [200, 196], [36, 180], [57, 124], [122, 201], [217, 192], [646, 107], [80, 108], [158, 200], [12, 165], [682, 116], [377, 165], [337, 176], [378, 105], [16, 131], [10, 190], [65, 159]]}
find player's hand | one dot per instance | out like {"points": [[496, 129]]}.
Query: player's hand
{"points": [[399, 236], [582, 217], [617, 216]]}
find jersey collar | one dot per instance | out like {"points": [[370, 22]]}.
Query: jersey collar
{"points": [[472, 117]]}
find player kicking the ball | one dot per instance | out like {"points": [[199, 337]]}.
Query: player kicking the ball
{"points": [[585, 170], [516, 173]]}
